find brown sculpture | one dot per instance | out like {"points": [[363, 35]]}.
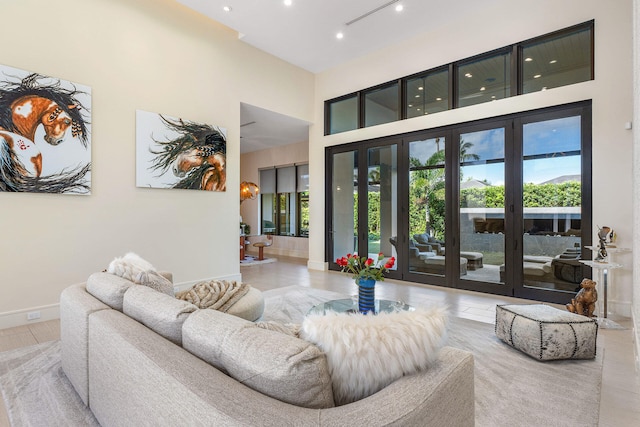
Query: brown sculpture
{"points": [[585, 301]]}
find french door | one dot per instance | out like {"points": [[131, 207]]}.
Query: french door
{"points": [[500, 205], [363, 208]]}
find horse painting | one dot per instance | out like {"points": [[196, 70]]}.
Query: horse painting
{"points": [[37, 108], [192, 157]]}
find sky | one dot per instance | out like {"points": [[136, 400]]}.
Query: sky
{"points": [[546, 137]]}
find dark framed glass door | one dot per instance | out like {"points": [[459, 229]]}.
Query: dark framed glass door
{"points": [[500, 205], [362, 214], [483, 155]]}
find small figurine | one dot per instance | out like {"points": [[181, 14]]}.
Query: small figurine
{"points": [[605, 235], [584, 302]]}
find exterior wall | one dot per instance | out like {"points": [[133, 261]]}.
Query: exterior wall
{"points": [[250, 163], [495, 27], [153, 55]]}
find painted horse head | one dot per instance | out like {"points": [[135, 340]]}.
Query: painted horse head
{"points": [[197, 156], [30, 103], [28, 112]]}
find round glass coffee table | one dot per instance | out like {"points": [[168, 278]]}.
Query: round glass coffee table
{"points": [[350, 305]]}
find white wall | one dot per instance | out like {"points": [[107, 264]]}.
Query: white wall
{"points": [[154, 55], [495, 27], [636, 176]]}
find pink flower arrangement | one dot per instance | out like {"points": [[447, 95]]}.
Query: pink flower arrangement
{"points": [[366, 268]]}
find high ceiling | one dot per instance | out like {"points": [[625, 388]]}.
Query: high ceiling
{"points": [[304, 34]]}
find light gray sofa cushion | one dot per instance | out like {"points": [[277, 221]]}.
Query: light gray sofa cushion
{"points": [[156, 281], [250, 306], [140, 379], [108, 288], [157, 311], [279, 365]]}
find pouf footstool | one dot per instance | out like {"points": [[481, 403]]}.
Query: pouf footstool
{"points": [[474, 259], [546, 333]]}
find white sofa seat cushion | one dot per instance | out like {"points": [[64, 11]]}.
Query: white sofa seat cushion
{"points": [[281, 366], [157, 311]]}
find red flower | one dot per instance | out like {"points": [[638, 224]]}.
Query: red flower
{"points": [[342, 261], [366, 268]]}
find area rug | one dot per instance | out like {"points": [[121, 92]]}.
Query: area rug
{"points": [[36, 391], [249, 261], [511, 388]]}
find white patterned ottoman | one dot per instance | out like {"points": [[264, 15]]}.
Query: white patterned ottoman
{"points": [[546, 333]]}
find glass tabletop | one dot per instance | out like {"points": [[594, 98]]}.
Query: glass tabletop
{"points": [[350, 305]]}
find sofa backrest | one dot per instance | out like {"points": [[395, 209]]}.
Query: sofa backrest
{"points": [[159, 312], [276, 364], [108, 288]]}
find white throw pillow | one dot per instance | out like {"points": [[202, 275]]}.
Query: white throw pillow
{"points": [[366, 353], [130, 267]]}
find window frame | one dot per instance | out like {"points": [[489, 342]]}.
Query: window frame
{"points": [[295, 222], [515, 77]]}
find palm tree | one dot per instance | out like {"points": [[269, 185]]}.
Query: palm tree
{"points": [[430, 177]]}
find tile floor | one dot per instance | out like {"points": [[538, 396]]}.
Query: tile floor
{"points": [[620, 402]]}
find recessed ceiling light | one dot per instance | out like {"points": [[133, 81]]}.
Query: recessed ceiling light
{"points": [[553, 61], [227, 8], [417, 109], [468, 75], [410, 105], [483, 88], [493, 97], [417, 96], [420, 88], [399, 8], [288, 2], [528, 59], [537, 76], [339, 36], [438, 99]]}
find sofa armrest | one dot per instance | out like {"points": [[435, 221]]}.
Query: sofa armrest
{"points": [[441, 396], [424, 248], [76, 305]]}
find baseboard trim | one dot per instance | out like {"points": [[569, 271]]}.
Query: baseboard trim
{"points": [[317, 265], [620, 308], [636, 339], [12, 319]]}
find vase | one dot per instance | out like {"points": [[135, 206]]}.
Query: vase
{"points": [[366, 295]]}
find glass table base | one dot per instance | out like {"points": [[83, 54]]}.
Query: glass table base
{"points": [[350, 305]]}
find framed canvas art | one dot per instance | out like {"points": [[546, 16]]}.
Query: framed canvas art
{"points": [[45, 134], [175, 153]]}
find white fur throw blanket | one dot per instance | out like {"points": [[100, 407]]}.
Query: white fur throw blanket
{"points": [[130, 267], [216, 294]]}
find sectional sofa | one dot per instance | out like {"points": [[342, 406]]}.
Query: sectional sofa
{"points": [[139, 357]]}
